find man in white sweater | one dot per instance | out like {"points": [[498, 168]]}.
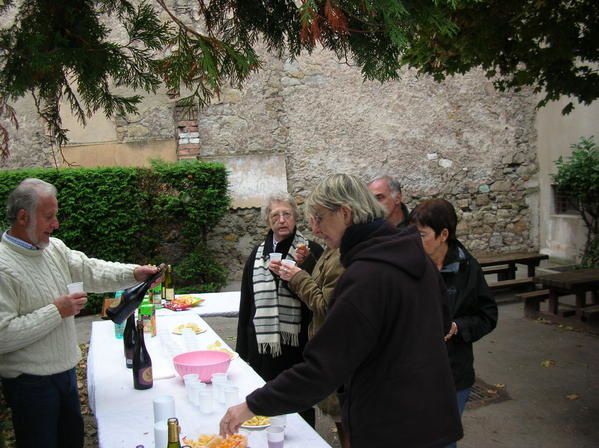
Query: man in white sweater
{"points": [[38, 342]]}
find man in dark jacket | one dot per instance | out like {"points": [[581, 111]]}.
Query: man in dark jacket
{"points": [[382, 339]]}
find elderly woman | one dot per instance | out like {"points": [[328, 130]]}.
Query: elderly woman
{"points": [[273, 324], [472, 307], [382, 340], [316, 291]]}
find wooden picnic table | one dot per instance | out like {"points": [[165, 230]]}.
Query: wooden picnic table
{"points": [[530, 259], [572, 282]]}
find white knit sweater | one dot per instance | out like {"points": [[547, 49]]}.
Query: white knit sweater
{"points": [[34, 338]]}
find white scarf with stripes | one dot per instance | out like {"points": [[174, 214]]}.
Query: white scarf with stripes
{"points": [[278, 314]]}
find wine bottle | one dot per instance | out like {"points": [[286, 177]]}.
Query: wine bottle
{"points": [[142, 363], [132, 298], [168, 286], [173, 433], [129, 339]]}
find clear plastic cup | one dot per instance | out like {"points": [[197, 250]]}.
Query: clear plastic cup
{"points": [[205, 401], [275, 256]]}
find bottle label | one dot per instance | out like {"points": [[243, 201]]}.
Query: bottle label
{"points": [[170, 293], [129, 356], [145, 376]]}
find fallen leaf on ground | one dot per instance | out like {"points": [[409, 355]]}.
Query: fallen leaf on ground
{"points": [[500, 386], [548, 363], [573, 397]]}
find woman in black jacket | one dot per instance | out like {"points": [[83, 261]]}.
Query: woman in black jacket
{"points": [[472, 307], [382, 339]]}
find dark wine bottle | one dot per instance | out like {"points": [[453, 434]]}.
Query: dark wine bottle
{"points": [[132, 298], [142, 363], [129, 338]]}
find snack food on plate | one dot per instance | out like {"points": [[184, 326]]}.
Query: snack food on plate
{"points": [[257, 420], [186, 300], [216, 345], [214, 441], [192, 325]]}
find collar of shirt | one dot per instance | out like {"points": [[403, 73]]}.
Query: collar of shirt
{"points": [[19, 242]]}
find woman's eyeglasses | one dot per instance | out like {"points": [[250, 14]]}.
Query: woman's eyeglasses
{"points": [[274, 217]]}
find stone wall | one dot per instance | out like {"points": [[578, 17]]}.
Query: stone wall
{"points": [[460, 140]]}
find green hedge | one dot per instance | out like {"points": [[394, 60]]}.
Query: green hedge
{"points": [[140, 215]]}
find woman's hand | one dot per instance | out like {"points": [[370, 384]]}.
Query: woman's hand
{"points": [[452, 332], [275, 267], [233, 419], [141, 273], [286, 271], [301, 253]]}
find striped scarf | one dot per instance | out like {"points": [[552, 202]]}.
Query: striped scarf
{"points": [[278, 313]]}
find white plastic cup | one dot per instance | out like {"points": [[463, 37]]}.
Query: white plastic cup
{"points": [[194, 390], [288, 262], [190, 378], [164, 408], [160, 433], [231, 394], [275, 256], [205, 401], [275, 436], [278, 420], [219, 377], [75, 287]]}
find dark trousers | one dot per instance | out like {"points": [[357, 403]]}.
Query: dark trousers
{"points": [[45, 410]]}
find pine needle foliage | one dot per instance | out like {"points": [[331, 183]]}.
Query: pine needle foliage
{"points": [[63, 50]]}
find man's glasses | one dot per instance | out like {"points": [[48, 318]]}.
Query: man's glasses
{"points": [[274, 217]]}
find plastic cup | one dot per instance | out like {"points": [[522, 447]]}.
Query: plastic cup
{"points": [[275, 256], [75, 287], [194, 390], [288, 262], [278, 420], [119, 329], [275, 436], [164, 408], [231, 394], [205, 401], [160, 433]]}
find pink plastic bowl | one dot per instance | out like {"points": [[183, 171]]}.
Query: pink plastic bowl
{"points": [[202, 362]]}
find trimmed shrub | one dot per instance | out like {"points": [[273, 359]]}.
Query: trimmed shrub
{"points": [[140, 215]]}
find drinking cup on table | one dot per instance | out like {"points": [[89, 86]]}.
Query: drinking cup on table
{"points": [[278, 420], [194, 390], [190, 378], [275, 436], [231, 393], [164, 408], [75, 287], [205, 401], [275, 256], [160, 433], [219, 377], [219, 390]]}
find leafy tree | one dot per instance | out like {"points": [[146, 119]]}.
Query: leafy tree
{"points": [[64, 50], [578, 177]]}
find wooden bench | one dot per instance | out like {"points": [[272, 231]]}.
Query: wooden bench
{"points": [[502, 271], [591, 313], [532, 301], [516, 283]]}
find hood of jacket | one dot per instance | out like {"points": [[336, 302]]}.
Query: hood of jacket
{"points": [[380, 242]]}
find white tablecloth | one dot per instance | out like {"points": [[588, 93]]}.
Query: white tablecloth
{"points": [[125, 415], [214, 304]]}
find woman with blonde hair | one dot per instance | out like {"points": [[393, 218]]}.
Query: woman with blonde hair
{"points": [[381, 345]]}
